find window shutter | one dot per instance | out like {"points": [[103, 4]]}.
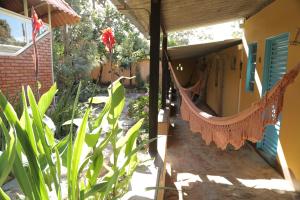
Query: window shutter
{"points": [[251, 65]]}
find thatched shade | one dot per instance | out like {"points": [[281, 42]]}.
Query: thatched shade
{"points": [[61, 12], [179, 14]]}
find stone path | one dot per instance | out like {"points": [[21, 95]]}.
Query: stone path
{"points": [[198, 171]]}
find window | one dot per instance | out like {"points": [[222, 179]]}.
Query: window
{"points": [[251, 67], [15, 32]]}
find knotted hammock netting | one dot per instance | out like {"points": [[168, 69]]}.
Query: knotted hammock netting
{"points": [[248, 124]]}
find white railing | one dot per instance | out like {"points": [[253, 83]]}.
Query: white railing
{"points": [[16, 32]]}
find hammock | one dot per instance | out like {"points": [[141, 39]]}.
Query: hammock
{"points": [[236, 129]]}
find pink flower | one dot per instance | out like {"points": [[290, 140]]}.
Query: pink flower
{"points": [[108, 39]]}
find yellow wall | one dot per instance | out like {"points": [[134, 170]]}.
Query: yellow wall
{"points": [[214, 92], [279, 17], [224, 101], [187, 76]]}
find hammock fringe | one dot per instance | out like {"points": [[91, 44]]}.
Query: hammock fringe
{"points": [[248, 124]]}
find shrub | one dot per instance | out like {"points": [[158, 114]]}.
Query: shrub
{"points": [[36, 158], [139, 108]]}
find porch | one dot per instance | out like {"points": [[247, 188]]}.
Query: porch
{"points": [[231, 73], [198, 171]]}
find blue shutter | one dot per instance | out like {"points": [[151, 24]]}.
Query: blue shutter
{"points": [[274, 68], [251, 65]]}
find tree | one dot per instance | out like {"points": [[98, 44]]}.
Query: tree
{"points": [[130, 51], [179, 38], [78, 49]]}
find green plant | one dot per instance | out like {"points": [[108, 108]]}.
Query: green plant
{"points": [[140, 83], [36, 158], [62, 111], [137, 109]]}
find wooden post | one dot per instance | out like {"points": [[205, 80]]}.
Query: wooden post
{"points": [[51, 45], [49, 17], [154, 73], [25, 4], [165, 70]]}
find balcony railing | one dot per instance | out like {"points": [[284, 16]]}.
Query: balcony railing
{"points": [[16, 32]]}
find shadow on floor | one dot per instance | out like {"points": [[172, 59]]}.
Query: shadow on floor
{"points": [[205, 172]]}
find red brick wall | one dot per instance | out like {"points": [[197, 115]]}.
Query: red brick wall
{"points": [[18, 71]]}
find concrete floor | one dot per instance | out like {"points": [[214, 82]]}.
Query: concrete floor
{"points": [[197, 171]]}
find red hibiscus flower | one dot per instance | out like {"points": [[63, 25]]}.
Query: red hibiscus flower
{"points": [[108, 39], [36, 23]]}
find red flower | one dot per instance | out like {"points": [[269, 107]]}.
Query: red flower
{"points": [[36, 23], [108, 39]]}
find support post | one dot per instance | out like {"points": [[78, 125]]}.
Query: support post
{"points": [[51, 46], [50, 17], [25, 5], [165, 70], [154, 73]]}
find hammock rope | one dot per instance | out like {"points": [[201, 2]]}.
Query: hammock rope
{"points": [[248, 124]]}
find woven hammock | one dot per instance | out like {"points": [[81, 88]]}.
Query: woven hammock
{"points": [[236, 129]]}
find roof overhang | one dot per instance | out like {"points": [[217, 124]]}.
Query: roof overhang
{"points": [[179, 15], [198, 50], [61, 12]]}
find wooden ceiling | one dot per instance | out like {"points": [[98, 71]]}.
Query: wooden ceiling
{"points": [[184, 14], [197, 50]]}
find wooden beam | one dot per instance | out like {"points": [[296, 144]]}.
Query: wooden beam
{"points": [[154, 73], [165, 69]]}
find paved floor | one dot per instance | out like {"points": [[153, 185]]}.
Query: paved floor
{"points": [[198, 171]]}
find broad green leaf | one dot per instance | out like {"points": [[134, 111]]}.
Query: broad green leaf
{"points": [[98, 99], [98, 188], [111, 182], [49, 137], [91, 139], [134, 152], [25, 183], [37, 119], [58, 171], [3, 196], [130, 137], [62, 147], [117, 96], [28, 124], [104, 111], [77, 150], [84, 164], [95, 168], [8, 155], [35, 170], [70, 143], [46, 99]]}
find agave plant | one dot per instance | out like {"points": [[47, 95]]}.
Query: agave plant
{"points": [[37, 159]]}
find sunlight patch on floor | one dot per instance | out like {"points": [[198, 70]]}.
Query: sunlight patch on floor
{"points": [[219, 179], [271, 184], [186, 178]]}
